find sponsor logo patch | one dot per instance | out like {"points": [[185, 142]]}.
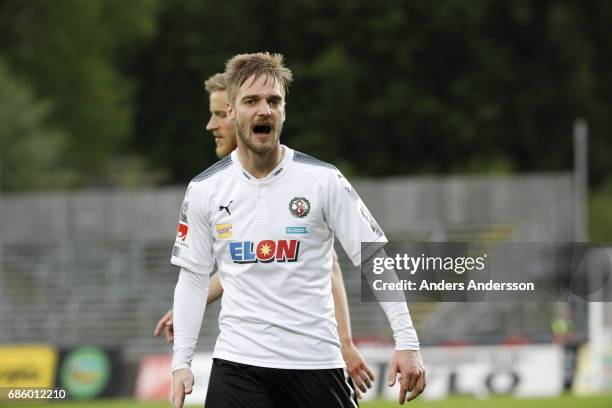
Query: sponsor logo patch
{"points": [[296, 230], [224, 230], [299, 207], [181, 232], [265, 251]]}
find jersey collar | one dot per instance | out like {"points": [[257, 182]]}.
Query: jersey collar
{"points": [[280, 170]]}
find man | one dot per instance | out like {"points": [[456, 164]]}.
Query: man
{"points": [[278, 346], [224, 133]]}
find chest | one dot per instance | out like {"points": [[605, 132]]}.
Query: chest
{"points": [[284, 209]]}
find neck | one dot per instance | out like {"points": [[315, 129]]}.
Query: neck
{"points": [[259, 165]]}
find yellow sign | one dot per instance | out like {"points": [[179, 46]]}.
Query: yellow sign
{"points": [[224, 230], [27, 366]]}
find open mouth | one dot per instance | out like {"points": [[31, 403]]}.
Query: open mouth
{"points": [[262, 129]]}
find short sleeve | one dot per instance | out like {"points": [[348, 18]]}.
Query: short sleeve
{"points": [[349, 218], [193, 247]]}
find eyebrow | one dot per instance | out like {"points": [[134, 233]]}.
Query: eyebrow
{"points": [[256, 96]]}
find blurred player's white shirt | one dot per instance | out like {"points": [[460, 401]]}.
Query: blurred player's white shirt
{"points": [[272, 240]]}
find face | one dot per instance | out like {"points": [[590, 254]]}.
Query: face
{"points": [[259, 114], [220, 125]]}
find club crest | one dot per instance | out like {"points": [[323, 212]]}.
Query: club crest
{"points": [[299, 207]]}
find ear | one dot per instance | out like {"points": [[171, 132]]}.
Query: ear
{"points": [[231, 113]]}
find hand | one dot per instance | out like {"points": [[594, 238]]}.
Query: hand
{"points": [[360, 373], [182, 385], [165, 323], [412, 373]]}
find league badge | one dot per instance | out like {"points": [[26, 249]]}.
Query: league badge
{"points": [[181, 232]]}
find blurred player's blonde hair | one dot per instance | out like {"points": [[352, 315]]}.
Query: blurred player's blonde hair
{"points": [[242, 66], [215, 83]]}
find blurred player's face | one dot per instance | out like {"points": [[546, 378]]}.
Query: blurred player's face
{"points": [[259, 114], [220, 125]]}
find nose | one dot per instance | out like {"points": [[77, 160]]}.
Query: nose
{"points": [[212, 124], [264, 109]]}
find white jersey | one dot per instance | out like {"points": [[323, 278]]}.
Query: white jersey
{"points": [[272, 240]]}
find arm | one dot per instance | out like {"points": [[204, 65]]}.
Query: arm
{"points": [[193, 253], [353, 225], [406, 360], [189, 305], [215, 290], [360, 373]]}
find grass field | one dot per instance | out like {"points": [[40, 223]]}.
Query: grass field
{"points": [[604, 401]]}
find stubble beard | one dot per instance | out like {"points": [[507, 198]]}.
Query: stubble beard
{"points": [[223, 150]]}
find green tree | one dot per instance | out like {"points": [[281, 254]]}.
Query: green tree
{"points": [[30, 149], [72, 52], [393, 87]]}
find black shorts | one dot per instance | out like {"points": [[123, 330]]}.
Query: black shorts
{"points": [[235, 385]]}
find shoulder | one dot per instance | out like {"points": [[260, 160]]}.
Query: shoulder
{"points": [[307, 161], [309, 165], [207, 181], [217, 170], [324, 172]]}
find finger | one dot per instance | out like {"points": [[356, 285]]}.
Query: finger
{"points": [[411, 380], [179, 397], [358, 383], [358, 394], [392, 374], [188, 385], [178, 400], [369, 372], [403, 392], [366, 379], [158, 328], [418, 389], [169, 336]]}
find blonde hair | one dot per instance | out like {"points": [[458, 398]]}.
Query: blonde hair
{"points": [[215, 83], [242, 66]]}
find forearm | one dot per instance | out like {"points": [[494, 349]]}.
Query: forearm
{"points": [[215, 290], [341, 307], [189, 294], [397, 313], [404, 334]]}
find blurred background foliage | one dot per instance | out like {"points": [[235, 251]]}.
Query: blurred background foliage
{"points": [[108, 93]]}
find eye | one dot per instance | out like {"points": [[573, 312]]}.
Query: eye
{"points": [[222, 115], [250, 102], [274, 102]]}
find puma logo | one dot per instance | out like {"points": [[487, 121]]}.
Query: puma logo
{"points": [[226, 207]]}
